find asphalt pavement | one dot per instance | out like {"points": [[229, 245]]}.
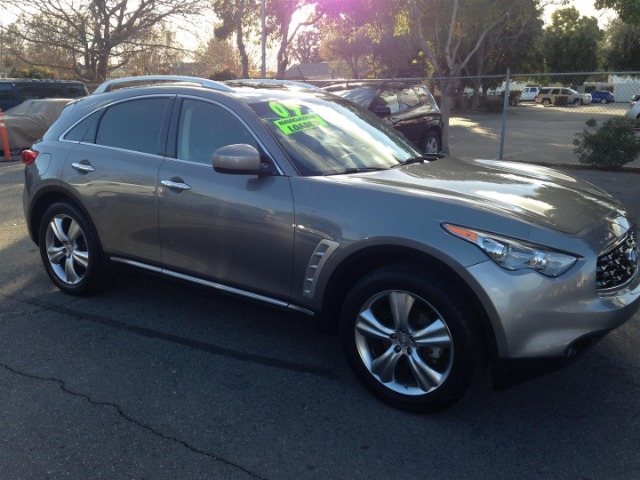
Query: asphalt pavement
{"points": [[155, 380]]}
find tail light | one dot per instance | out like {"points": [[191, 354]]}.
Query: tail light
{"points": [[28, 156]]}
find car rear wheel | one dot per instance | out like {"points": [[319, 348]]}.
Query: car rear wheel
{"points": [[604, 100], [431, 143], [69, 249], [546, 102], [411, 339]]}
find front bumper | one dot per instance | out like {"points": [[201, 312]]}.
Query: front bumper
{"points": [[508, 372], [537, 317]]}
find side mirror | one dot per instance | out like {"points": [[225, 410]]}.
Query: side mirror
{"points": [[239, 159]]}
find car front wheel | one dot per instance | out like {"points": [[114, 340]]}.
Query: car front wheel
{"points": [[411, 339], [69, 249]]}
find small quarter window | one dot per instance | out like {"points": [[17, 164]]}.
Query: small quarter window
{"points": [[85, 131]]}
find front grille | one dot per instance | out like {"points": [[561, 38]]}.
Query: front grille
{"points": [[619, 264]]}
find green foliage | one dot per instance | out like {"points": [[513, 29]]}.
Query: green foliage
{"points": [[221, 75], [561, 100], [32, 72], [611, 146], [571, 41], [628, 10], [495, 103], [621, 49]]}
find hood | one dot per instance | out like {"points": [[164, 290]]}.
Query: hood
{"points": [[534, 194]]}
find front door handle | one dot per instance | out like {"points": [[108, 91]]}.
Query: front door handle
{"points": [[175, 185]]}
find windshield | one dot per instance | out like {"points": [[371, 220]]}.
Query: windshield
{"points": [[328, 136]]}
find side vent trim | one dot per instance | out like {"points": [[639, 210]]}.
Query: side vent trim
{"points": [[320, 255]]}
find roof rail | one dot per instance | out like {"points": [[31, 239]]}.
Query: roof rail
{"points": [[154, 79], [272, 81]]}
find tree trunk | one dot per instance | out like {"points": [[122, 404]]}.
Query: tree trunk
{"points": [[244, 59]]}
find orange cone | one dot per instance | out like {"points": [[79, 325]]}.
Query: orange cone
{"points": [[5, 140]]}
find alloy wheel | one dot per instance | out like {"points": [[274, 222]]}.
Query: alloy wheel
{"points": [[404, 342]]}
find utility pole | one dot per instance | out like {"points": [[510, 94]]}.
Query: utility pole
{"points": [[264, 39], [2, 72]]}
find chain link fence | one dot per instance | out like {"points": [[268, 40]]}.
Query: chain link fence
{"points": [[542, 117]]}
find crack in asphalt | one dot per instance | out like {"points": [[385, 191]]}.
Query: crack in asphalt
{"points": [[186, 342], [63, 386]]}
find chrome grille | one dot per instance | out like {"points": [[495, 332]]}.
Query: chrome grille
{"points": [[617, 265]]}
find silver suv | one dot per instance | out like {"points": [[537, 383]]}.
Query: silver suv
{"points": [[547, 96], [430, 268]]}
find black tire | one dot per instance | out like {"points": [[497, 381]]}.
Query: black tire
{"points": [[70, 250], [423, 357], [546, 102], [431, 143], [604, 100]]}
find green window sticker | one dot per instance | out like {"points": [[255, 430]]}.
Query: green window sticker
{"points": [[293, 121], [300, 123]]}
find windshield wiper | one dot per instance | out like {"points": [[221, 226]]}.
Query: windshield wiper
{"points": [[425, 157], [359, 170]]}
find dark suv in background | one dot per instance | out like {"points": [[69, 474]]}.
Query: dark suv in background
{"points": [[14, 91], [409, 107]]}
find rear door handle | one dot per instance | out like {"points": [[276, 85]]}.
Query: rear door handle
{"points": [[84, 166], [175, 185]]}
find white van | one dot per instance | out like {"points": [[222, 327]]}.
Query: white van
{"points": [[528, 94]]}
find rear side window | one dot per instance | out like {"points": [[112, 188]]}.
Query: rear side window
{"points": [[75, 91], [133, 125], [425, 96], [408, 99], [30, 91]]}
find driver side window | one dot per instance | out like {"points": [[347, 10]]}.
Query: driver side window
{"points": [[203, 128], [390, 99]]}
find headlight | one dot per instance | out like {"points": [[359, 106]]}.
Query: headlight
{"points": [[513, 254]]}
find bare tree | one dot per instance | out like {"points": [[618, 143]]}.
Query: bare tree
{"points": [[451, 32], [99, 34]]}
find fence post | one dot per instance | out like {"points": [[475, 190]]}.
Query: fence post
{"points": [[5, 140], [505, 109]]}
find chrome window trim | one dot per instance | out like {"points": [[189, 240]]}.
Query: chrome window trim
{"points": [[214, 285], [109, 105]]}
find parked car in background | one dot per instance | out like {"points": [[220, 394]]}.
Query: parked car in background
{"points": [[602, 96], [430, 270], [407, 106], [14, 91], [528, 94], [634, 107], [27, 122], [547, 95]]}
